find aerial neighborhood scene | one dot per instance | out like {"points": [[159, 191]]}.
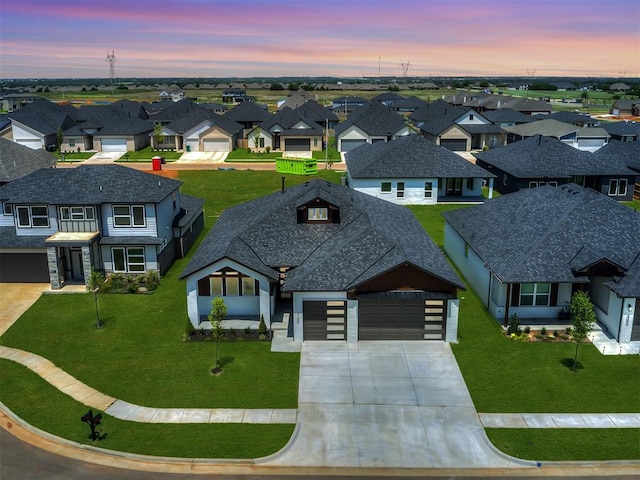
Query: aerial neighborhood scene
{"points": [[337, 254]]}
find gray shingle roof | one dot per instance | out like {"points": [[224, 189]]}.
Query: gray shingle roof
{"points": [[547, 127], [374, 119], [247, 112], [540, 157], [630, 151], [410, 157], [46, 117], [544, 234], [372, 237], [17, 160], [9, 239], [508, 115], [622, 128], [89, 185]]}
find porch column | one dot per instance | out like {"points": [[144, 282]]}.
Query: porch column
{"points": [[86, 265], [491, 188], [54, 271]]}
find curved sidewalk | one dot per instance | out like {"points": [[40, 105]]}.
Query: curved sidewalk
{"points": [[122, 410]]}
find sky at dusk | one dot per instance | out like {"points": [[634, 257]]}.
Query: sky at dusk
{"points": [[357, 38]]}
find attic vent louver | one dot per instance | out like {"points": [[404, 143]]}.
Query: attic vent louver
{"points": [[159, 183]]}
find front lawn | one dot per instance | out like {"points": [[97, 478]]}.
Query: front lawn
{"points": [[45, 407]]}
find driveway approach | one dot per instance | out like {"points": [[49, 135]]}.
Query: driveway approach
{"points": [[386, 404]]}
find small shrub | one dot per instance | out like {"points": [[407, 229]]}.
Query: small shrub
{"points": [[555, 333], [543, 331], [527, 329], [262, 329], [247, 331], [188, 328], [267, 148], [567, 330], [514, 325], [262, 337], [539, 336], [233, 333], [151, 279]]}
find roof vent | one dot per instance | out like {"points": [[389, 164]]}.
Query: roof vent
{"points": [[100, 187], [159, 183]]}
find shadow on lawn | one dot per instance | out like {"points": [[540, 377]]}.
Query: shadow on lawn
{"points": [[568, 362]]}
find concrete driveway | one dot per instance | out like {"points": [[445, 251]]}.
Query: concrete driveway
{"points": [[386, 404], [16, 298]]}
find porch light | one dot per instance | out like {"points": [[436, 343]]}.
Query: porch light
{"points": [[629, 308]]}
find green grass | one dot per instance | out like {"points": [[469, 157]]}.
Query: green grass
{"points": [[634, 204], [138, 357], [45, 407], [147, 153], [505, 376], [547, 444]]}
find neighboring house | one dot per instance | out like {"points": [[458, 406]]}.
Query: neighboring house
{"points": [[539, 161], [619, 87], [174, 95], [388, 98], [185, 125], [235, 95], [286, 131], [346, 105], [248, 114], [346, 265], [37, 124], [463, 129], [528, 252], [408, 105], [591, 139], [624, 131], [119, 127], [578, 119], [623, 107], [429, 112], [218, 108], [414, 171], [10, 101], [549, 127], [630, 152], [59, 224], [508, 117], [370, 124], [16, 160], [323, 116], [294, 100], [565, 86]]}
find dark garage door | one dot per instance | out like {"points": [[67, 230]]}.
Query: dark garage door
{"points": [[324, 320], [348, 145], [297, 144], [24, 268], [401, 319], [455, 145]]}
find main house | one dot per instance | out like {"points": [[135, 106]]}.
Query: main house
{"points": [[59, 224], [526, 253], [348, 266], [412, 170]]}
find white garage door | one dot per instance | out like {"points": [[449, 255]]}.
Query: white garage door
{"points": [[114, 144], [216, 145]]}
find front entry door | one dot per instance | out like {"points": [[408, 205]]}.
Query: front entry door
{"points": [[77, 269]]}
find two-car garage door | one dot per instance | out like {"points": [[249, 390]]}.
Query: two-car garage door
{"points": [[401, 319], [378, 319]]}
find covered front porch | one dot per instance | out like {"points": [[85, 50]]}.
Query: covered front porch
{"points": [[70, 258]]}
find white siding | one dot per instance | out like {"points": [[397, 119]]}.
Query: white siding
{"points": [[165, 215], [471, 266], [26, 136], [413, 190]]}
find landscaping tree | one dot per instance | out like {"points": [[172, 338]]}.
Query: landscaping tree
{"points": [[158, 136], [216, 317], [583, 318], [95, 287], [256, 138]]}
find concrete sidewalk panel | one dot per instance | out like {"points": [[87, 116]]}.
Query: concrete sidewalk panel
{"points": [[598, 420], [502, 420], [226, 415], [141, 414], [625, 420], [568, 420], [196, 415], [538, 420], [261, 415], [284, 415], [167, 415]]}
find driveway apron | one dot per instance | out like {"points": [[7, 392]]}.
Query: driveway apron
{"points": [[386, 404]]}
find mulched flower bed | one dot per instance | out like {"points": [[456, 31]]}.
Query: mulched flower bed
{"points": [[546, 336]]}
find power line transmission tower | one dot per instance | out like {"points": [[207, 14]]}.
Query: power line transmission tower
{"points": [[111, 60], [405, 67]]}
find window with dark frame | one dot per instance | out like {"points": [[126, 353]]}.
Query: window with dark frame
{"points": [[428, 189], [228, 284], [400, 190], [385, 187], [35, 216], [128, 216], [535, 294]]}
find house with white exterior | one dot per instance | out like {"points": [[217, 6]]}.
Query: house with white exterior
{"points": [[527, 252], [412, 170], [59, 224], [345, 265]]}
